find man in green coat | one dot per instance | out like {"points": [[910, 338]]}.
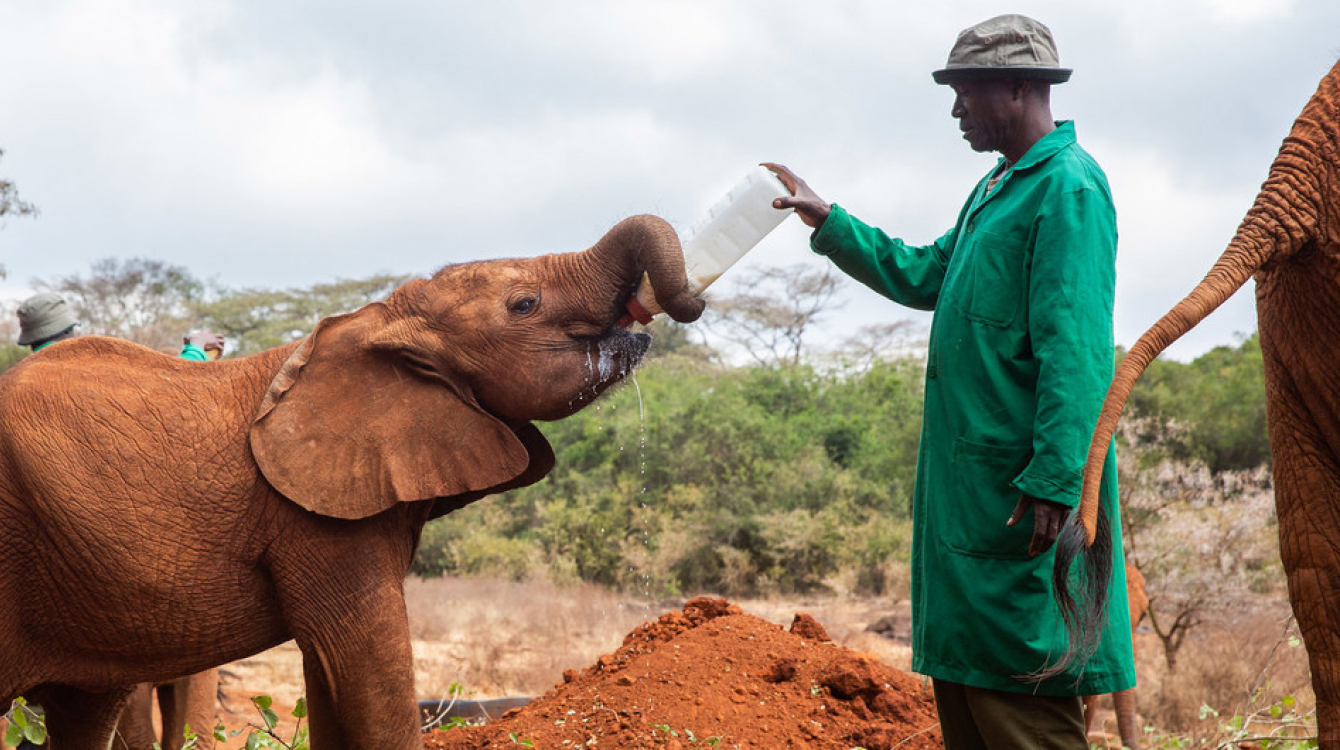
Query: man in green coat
{"points": [[1020, 356]]}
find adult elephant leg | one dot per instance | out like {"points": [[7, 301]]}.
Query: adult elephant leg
{"points": [[1308, 507], [135, 729], [1304, 438], [77, 719], [189, 702]]}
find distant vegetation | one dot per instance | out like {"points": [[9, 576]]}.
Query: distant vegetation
{"points": [[744, 480], [1219, 399], [756, 466], [791, 472], [758, 479]]}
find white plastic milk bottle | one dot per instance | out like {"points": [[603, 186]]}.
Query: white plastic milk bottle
{"points": [[736, 223]]}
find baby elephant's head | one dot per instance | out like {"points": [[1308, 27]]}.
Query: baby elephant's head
{"points": [[539, 338], [430, 394]]}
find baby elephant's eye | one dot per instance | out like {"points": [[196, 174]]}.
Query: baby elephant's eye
{"points": [[523, 305]]}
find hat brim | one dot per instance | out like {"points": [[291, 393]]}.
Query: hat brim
{"points": [[44, 334], [974, 73]]}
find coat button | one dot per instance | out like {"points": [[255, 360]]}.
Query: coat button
{"points": [[971, 226]]}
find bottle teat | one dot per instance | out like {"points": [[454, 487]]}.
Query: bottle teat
{"points": [[733, 226]]}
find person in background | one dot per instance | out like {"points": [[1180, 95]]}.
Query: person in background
{"points": [[1020, 356], [45, 319]]}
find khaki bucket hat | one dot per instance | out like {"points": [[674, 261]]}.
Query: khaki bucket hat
{"points": [[43, 316], [1010, 46]]}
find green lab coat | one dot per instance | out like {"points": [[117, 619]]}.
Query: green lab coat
{"points": [[1021, 353]]}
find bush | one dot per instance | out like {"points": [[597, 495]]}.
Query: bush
{"points": [[698, 477]]}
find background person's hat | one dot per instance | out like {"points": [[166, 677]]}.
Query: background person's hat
{"points": [[43, 316], [1010, 46]]}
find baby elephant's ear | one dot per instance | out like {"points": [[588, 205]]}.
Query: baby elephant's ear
{"points": [[348, 430]]}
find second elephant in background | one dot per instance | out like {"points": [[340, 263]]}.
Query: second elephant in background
{"points": [[186, 702], [1123, 701]]}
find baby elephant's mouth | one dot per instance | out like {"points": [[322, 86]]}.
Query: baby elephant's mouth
{"points": [[609, 359], [618, 354]]}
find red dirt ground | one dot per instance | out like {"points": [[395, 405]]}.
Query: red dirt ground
{"points": [[712, 676]]}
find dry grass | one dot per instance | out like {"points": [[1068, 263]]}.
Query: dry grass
{"points": [[504, 638], [500, 638], [1238, 664]]}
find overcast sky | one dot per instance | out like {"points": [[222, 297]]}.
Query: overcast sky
{"points": [[265, 143]]}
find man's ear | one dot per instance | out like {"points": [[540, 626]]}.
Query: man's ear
{"points": [[347, 429]]}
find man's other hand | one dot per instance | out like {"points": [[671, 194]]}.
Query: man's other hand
{"points": [[205, 339], [1048, 518]]}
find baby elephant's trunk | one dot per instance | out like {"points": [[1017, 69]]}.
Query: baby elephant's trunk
{"points": [[646, 244]]}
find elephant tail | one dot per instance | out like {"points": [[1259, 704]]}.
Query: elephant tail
{"points": [[1081, 592], [1284, 218], [1226, 278]]}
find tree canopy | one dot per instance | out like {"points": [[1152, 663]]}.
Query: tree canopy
{"points": [[791, 473], [1220, 396]]}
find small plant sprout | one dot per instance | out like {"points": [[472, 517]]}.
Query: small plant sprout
{"points": [[24, 724], [440, 719], [266, 736]]}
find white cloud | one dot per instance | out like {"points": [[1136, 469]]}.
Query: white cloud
{"points": [[284, 144], [296, 146], [1246, 12], [1172, 227]]}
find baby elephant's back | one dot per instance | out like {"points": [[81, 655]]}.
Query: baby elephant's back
{"points": [[124, 473], [103, 413]]}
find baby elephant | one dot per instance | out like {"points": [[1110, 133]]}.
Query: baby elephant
{"points": [[162, 517]]}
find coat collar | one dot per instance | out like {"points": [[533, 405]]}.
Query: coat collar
{"points": [[1046, 147]]}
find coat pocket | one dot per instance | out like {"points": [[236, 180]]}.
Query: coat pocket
{"points": [[972, 519], [994, 282]]}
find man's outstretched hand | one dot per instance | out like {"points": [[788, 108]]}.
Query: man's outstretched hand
{"points": [[812, 209]]}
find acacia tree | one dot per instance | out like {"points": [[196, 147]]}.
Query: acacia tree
{"points": [[770, 318], [10, 202], [1205, 541], [12, 205], [142, 300], [253, 320], [894, 341]]}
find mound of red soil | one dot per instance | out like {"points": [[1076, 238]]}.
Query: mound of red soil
{"points": [[714, 676]]}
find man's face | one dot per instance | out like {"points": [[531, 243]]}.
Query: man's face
{"points": [[987, 112]]}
